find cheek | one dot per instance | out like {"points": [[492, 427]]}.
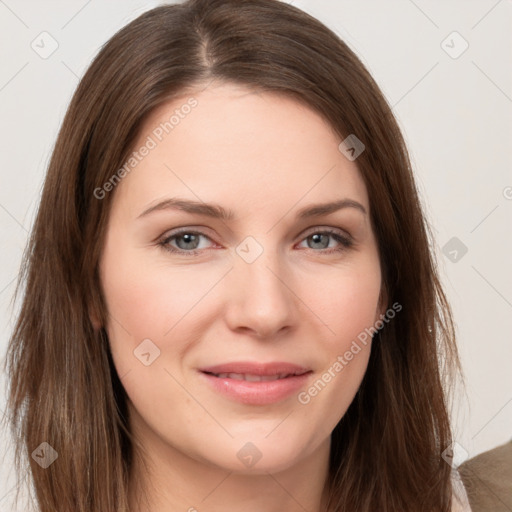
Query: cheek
{"points": [[347, 304], [151, 301], [345, 355], [346, 300]]}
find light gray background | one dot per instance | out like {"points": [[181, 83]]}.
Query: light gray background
{"points": [[456, 114]]}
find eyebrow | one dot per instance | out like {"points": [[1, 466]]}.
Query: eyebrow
{"points": [[218, 212]]}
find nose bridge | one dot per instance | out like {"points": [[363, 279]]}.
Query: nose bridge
{"points": [[261, 299]]}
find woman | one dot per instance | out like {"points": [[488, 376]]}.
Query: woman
{"points": [[230, 298]]}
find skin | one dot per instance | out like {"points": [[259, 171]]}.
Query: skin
{"points": [[263, 156]]}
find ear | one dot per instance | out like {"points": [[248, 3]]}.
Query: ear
{"points": [[382, 304], [95, 318]]}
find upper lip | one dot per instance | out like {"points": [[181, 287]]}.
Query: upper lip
{"points": [[257, 368]]}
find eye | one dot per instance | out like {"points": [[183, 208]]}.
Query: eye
{"points": [[321, 240], [188, 242]]}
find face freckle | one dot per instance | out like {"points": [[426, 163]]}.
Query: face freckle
{"points": [[266, 286]]}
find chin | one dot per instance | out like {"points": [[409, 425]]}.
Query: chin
{"points": [[259, 456]]}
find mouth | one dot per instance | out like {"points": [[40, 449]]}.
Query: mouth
{"points": [[256, 383], [253, 377]]}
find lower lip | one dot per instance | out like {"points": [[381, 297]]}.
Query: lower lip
{"points": [[257, 393]]}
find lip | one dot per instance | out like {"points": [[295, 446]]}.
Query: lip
{"points": [[256, 392]]}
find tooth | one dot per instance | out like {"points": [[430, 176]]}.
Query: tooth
{"points": [[252, 378], [235, 376]]}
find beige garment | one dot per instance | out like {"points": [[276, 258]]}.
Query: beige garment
{"points": [[488, 480]]}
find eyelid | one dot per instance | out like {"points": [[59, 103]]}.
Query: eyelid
{"points": [[325, 229]]}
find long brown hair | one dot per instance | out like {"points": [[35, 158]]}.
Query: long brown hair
{"points": [[386, 450]]}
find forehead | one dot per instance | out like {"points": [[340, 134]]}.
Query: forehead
{"points": [[232, 142]]}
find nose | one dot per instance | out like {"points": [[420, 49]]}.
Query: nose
{"points": [[261, 298]]}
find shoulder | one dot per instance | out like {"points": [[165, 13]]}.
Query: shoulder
{"points": [[488, 479]]}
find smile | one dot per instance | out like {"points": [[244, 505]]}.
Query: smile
{"points": [[256, 383]]}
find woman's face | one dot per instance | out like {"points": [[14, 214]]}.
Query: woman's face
{"points": [[234, 335]]}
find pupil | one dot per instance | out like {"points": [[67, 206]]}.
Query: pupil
{"points": [[189, 239], [317, 239]]}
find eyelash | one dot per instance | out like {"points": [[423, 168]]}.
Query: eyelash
{"points": [[346, 242]]}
